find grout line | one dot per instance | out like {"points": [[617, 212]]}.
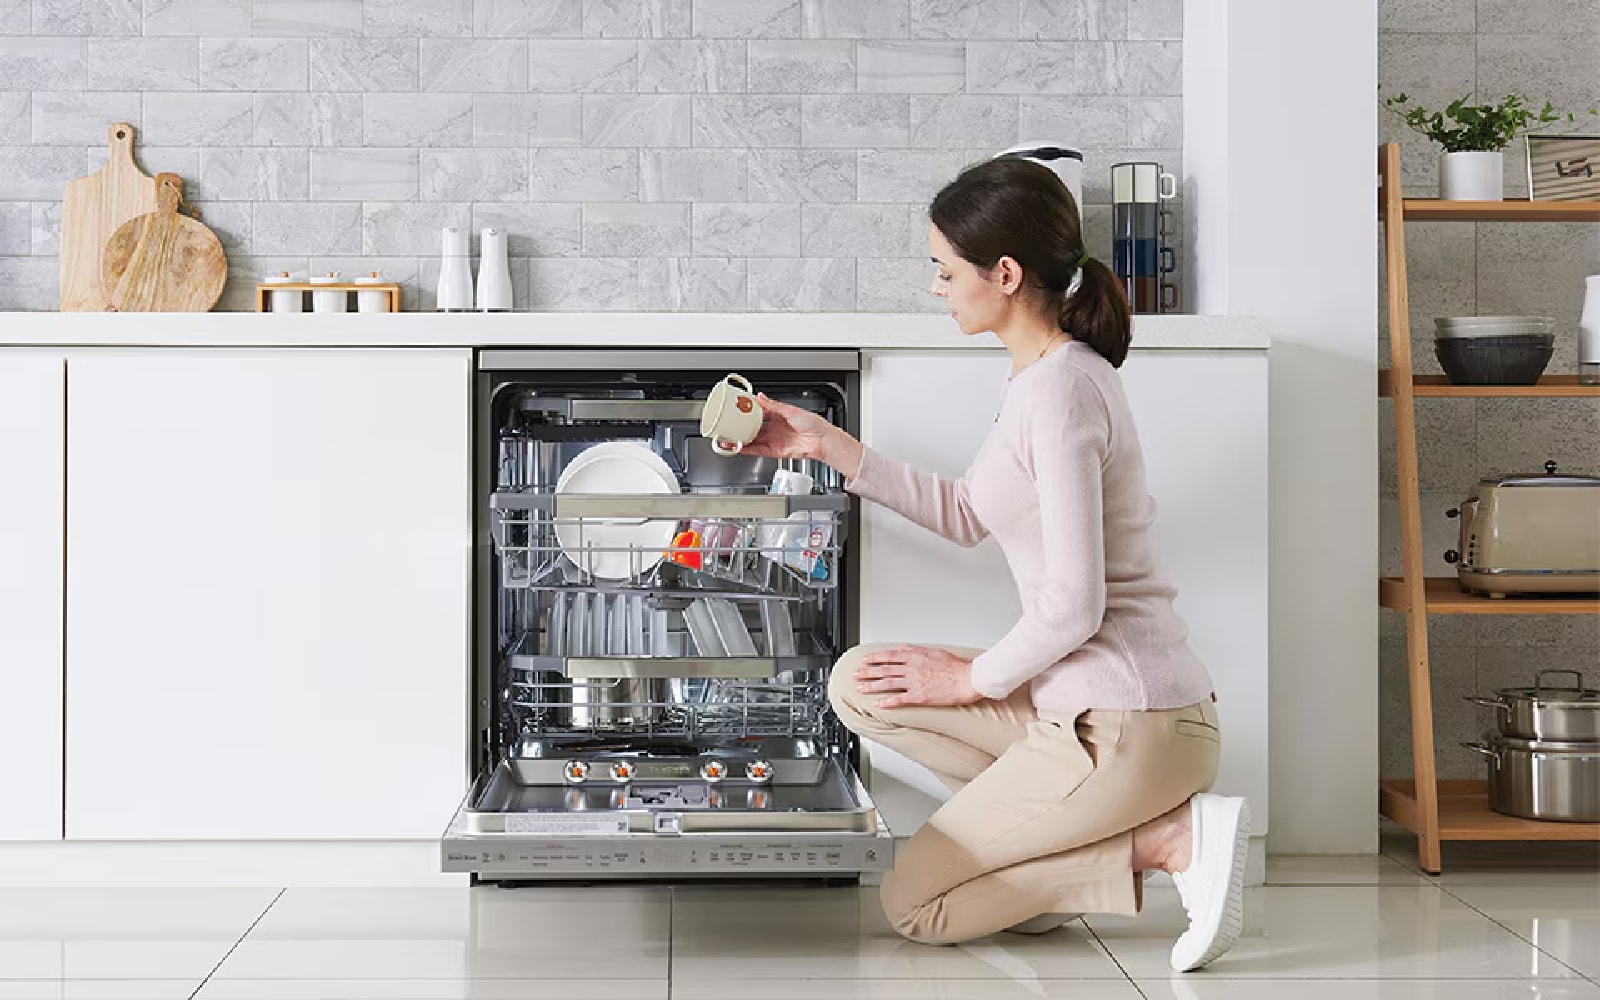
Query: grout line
{"points": [[259, 917], [1532, 944], [672, 895], [1114, 961]]}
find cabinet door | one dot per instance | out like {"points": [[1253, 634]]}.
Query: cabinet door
{"points": [[31, 470], [1201, 417], [267, 593]]}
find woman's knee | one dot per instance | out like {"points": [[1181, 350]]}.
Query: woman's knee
{"points": [[842, 693], [912, 917]]}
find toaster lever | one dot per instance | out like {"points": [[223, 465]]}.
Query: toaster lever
{"points": [[1451, 556], [1453, 512]]}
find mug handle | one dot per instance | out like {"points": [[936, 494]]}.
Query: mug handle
{"points": [[726, 449], [732, 377], [1169, 187]]}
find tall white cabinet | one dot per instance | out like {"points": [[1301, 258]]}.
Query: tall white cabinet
{"points": [[1202, 422], [267, 584], [32, 387]]}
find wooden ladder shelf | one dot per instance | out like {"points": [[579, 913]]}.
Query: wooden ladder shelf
{"points": [[1436, 810]]}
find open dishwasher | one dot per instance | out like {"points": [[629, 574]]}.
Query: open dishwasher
{"points": [[655, 627]]}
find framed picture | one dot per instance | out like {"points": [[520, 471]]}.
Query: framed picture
{"points": [[1564, 167]]}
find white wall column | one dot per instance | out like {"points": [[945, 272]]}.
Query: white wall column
{"points": [[1280, 155]]}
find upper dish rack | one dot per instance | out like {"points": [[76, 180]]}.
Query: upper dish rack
{"points": [[770, 546]]}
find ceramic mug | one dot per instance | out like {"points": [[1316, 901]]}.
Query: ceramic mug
{"points": [[731, 417]]}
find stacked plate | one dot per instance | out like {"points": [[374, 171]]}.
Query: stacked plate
{"points": [[616, 548], [1494, 350]]}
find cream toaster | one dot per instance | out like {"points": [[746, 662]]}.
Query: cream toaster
{"points": [[1530, 535]]}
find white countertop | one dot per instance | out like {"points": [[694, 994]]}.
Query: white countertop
{"points": [[551, 329]]}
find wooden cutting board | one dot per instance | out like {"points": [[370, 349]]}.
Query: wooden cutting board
{"points": [[163, 261], [94, 207]]}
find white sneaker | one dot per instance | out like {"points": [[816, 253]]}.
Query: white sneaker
{"points": [[1212, 888], [1044, 923]]}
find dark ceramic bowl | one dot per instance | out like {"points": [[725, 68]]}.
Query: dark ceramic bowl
{"points": [[1511, 360]]}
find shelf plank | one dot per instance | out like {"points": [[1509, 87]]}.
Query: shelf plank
{"points": [[1511, 210], [1445, 597], [1439, 387], [1464, 814]]}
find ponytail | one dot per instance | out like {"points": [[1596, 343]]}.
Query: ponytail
{"points": [[1096, 312], [1013, 207]]}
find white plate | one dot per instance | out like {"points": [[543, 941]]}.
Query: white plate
{"points": [[627, 449], [616, 548]]}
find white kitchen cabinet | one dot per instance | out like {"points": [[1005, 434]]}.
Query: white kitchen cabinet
{"points": [[31, 481], [267, 593], [1202, 421]]}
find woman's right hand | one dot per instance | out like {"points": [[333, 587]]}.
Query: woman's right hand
{"points": [[790, 432]]}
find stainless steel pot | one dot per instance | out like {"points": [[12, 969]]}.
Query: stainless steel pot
{"points": [[1543, 779], [1547, 712]]}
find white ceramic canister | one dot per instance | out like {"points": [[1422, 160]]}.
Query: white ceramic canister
{"points": [[333, 300], [375, 301], [284, 300], [1589, 333]]}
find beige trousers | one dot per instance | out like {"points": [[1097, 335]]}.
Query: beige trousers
{"points": [[1043, 809]]}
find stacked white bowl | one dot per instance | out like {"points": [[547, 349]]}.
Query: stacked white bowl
{"points": [[1454, 327]]}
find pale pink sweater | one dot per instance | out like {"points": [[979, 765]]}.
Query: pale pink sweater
{"points": [[1060, 484]]}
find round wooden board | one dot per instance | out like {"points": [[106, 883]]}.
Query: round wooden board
{"points": [[163, 261]]}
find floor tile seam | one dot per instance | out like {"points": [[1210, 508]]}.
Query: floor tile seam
{"points": [[235, 947], [1114, 960], [1534, 945]]}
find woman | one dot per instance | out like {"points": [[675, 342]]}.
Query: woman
{"points": [[1079, 747]]}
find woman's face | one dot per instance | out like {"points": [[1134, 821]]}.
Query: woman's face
{"points": [[979, 302]]}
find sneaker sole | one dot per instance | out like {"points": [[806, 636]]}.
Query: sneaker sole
{"points": [[1231, 924]]}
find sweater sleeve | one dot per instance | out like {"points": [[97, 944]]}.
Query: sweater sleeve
{"points": [[1065, 439], [943, 506]]}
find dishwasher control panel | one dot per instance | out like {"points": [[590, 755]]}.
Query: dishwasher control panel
{"points": [[664, 855]]}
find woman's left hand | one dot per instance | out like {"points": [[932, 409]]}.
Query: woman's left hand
{"points": [[909, 676]]}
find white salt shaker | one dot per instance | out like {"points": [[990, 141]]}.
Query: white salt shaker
{"points": [[284, 300], [375, 301], [455, 271], [333, 300]]}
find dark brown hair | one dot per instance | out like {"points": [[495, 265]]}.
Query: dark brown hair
{"points": [[1011, 207]]}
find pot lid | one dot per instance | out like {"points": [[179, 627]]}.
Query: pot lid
{"points": [[1549, 478], [1573, 694], [1555, 697]]}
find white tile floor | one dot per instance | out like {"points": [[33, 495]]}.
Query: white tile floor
{"points": [[1493, 927]]}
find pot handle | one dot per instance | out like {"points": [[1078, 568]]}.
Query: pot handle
{"points": [[1538, 679], [1478, 699], [1483, 748]]}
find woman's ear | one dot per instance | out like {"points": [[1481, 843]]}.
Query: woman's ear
{"points": [[1009, 273]]}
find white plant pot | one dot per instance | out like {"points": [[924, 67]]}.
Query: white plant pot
{"points": [[1475, 176]]}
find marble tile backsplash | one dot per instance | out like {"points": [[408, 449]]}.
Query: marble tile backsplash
{"points": [[656, 154], [1438, 50]]}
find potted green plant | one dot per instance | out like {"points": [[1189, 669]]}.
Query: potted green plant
{"points": [[1473, 137]]}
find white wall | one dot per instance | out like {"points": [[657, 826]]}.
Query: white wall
{"points": [[1281, 135]]}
